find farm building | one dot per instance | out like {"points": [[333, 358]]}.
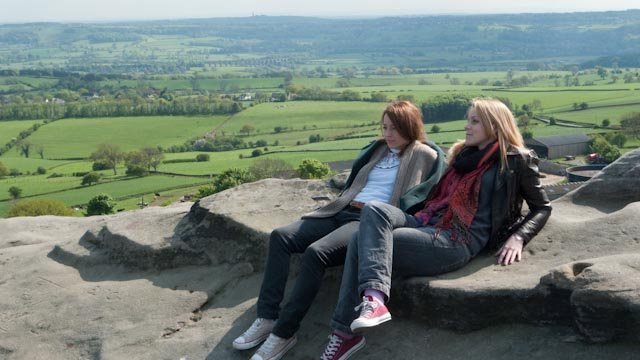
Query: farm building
{"points": [[552, 147]]}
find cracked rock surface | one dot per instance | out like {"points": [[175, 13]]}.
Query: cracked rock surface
{"points": [[181, 282]]}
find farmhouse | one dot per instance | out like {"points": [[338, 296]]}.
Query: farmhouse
{"points": [[552, 147]]}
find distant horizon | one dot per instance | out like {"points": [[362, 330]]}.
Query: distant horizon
{"points": [[344, 17], [82, 11]]}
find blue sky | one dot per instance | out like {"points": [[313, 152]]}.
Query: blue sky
{"points": [[101, 10]]}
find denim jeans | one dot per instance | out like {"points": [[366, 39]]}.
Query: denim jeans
{"points": [[324, 244], [390, 239]]}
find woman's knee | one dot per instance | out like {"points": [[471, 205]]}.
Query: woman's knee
{"points": [[280, 239], [313, 253]]}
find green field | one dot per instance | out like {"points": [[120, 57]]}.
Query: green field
{"points": [[31, 164], [124, 188], [73, 138], [596, 115], [305, 115], [356, 122], [11, 129]]}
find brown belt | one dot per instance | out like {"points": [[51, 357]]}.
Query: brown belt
{"points": [[356, 204]]}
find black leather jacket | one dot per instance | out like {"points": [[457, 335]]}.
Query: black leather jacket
{"points": [[520, 181]]}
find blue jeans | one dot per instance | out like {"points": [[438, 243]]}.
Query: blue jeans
{"points": [[390, 239], [323, 243]]}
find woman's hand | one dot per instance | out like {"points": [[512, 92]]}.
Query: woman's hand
{"points": [[511, 250]]}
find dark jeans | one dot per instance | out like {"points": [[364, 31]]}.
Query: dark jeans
{"points": [[378, 249], [324, 243]]}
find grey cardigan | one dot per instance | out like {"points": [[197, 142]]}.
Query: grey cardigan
{"points": [[415, 167]]}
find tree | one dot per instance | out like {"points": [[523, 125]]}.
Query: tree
{"points": [[100, 205], [524, 121], [409, 98], [342, 83], [583, 105], [202, 157], [24, 147], [271, 168], [288, 78], [108, 154], [256, 153], [15, 192], [313, 169], [231, 178], [3, 170], [41, 170], [604, 149], [378, 97], [136, 163], [247, 129], [152, 157], [90, 178], [536, 105], [350, 95], [631, 124], [618, 139], [39, 207], [435, 129], [261, 143], [606, 122], [315, 138], [602, 72], [40, 151], [445, 107]]}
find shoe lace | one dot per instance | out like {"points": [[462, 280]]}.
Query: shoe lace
{"points": [[254, 328], [332, 348], [366, 307], [269, 345]]}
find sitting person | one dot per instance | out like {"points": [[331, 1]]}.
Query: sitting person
{"points": [[398, 169], [477, 204]]}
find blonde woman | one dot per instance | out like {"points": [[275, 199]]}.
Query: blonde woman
{"points": [[476, 205]]}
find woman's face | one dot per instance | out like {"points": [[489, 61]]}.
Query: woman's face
{"points": [[391, 135], [475, 132]]}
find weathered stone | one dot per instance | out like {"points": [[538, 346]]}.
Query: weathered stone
{"points": [[180, 282], [234, 225], [339, 181]]}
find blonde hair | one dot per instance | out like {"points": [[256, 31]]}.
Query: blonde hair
{"points": [[498, 123]]}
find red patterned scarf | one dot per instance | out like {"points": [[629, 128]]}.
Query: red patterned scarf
{"points": [[457, 196]]}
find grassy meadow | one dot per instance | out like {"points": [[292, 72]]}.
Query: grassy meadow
{"points": [[345, 127], [73, 138], [11, 129]]}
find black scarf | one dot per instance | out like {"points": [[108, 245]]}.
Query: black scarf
{"points": [[467, 159]]}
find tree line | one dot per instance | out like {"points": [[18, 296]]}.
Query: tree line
{"points": [[199, 105]]}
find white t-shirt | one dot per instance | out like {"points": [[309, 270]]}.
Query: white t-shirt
{"points": [[381, 179]]}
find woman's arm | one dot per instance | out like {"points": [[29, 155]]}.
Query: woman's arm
{"points": [[539, 211]]}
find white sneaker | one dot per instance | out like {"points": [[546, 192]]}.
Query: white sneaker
{"points": [[259, 330], [274, 348]]}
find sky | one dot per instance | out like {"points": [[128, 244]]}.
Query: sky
{"points": [[114, 10]]}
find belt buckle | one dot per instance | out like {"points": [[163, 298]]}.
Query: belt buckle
{"points": [[356, 204]]}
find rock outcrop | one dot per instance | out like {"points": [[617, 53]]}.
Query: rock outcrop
{"points": [[181, 281]]}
